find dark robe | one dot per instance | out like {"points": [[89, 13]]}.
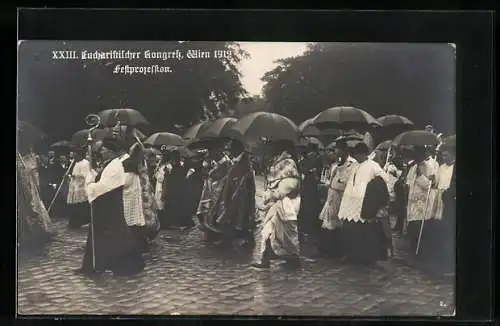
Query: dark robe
{"points": [[237, 201], [367, 243], [194, 185], [176, 212], [310, 205], [115, 246], [449, 225], [49, 176], [401, 200]]}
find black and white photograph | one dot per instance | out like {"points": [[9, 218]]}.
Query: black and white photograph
{"points": [[236, 178]]}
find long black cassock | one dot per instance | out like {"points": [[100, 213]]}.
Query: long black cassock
{"points": [[115, 246]]}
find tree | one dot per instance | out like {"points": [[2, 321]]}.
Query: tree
{"points": [[56, 95], [414, 80]]}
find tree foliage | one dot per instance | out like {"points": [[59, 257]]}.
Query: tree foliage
{"points": [[56, 95], [413, 80]]}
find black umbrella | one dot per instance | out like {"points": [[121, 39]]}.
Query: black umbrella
{"points": [[308, 141], [80, 138], [129, 117], [308, 129], [393, 120], [217, 128], [345, 117], [164, 139], [416, 138], [384, 146], [258, 126], [193, 131], [62, 144]]}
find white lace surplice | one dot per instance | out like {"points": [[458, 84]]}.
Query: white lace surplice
{"points": [[76, 190], [338, 181], [132, 200], [112, 177], [354, 193], [160, 176], [444, 176], [421, 201]]}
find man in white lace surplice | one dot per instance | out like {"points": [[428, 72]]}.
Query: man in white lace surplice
{"points": [[354, 193]]}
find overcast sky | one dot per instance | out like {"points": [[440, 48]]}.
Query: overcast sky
{"points": [[263, 55]]}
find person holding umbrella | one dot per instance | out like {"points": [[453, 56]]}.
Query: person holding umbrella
{"points": [[277, 235], [341, 169], [363, 240], [110, 244], [420, 180]]}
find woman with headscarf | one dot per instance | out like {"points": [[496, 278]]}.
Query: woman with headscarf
{"points": [[330, 238], [78, 204], [278, 232], [110, 243]]}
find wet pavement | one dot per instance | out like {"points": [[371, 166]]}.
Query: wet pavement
{"points": [[185, 276]]}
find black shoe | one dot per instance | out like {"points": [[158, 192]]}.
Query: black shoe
{"points": [[260, 265]]}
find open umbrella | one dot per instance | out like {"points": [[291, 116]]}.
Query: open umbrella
{"points": [[254, 127], [307, 141], [164, 139], [62, 144], [308, 129], [129, 117], [217, 128], [416, 138], [345, 117], [384, 146], [184, 151], [193, 131], [354, 138], [80, 138], [393, 120]]}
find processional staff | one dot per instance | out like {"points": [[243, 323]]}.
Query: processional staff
{"points": [[92, 120]]}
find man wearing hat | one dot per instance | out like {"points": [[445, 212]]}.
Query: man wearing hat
{"points": [[110, 244]]}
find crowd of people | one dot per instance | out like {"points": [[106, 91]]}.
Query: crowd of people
{"points": [[340, 198]]}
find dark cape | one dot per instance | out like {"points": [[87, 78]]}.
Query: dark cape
{"points": [[236, 213], [115, 246], [176, 212], [376, 198]]}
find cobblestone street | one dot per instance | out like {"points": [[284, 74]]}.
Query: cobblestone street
{"points": [[185, 276]]}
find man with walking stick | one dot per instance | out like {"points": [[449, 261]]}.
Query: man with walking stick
{"points": [[110, 244]]}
